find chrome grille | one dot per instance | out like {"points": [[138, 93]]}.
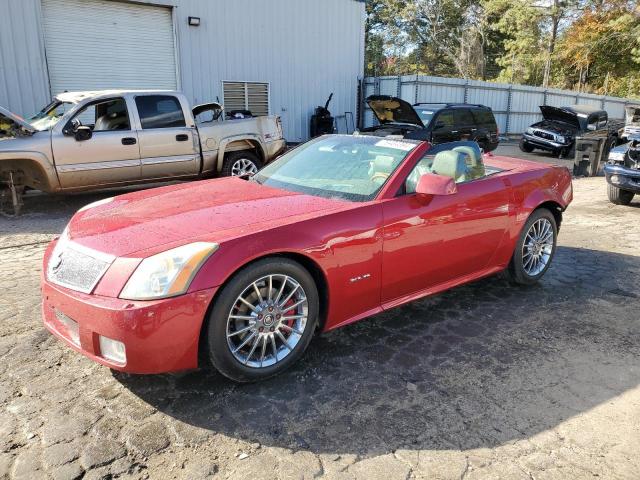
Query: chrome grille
{"points": [[76, 269], [546, 135]]}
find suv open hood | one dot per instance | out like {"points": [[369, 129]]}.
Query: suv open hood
{"points": [[632, 115], [393, 110], [12, 122], [559, 114]]}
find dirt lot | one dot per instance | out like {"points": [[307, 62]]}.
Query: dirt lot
{"points": [[485, 381]]}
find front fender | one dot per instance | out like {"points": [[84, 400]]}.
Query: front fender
{"points": [[38, 168]]}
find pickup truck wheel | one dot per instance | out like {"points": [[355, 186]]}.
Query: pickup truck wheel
{"points": [[525, 147], [241, 164], [263, 320], [618, 196], [535, 248]]}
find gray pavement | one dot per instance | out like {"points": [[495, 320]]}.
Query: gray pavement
{"points": [[486, 381]]}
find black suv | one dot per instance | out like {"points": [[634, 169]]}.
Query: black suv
{"points": [[434, 122]]}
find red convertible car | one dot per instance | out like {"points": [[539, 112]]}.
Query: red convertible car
{"points": [[241, 273]]}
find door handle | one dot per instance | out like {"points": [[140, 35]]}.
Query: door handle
{"points": [[129, 141], [454, 131], [183, 137]]}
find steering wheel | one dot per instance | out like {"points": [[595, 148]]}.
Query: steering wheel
{"points": [[379, 175]]}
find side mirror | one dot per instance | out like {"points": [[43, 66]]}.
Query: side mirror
{"points": [[82, 133], [432, 184]]}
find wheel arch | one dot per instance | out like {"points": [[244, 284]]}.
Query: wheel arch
{"points": [[33, 170], [554, 207], [239, 143], [309, 264]]}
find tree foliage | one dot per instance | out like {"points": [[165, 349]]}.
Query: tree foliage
{"points": [[591, 45]]}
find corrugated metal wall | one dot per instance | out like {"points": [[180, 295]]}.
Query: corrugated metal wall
{"points": [[24, 86], [305, 49], [515, 106]]}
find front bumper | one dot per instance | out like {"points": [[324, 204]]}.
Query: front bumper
{"points": [[623, 177], [159, 336], [542, 143]]}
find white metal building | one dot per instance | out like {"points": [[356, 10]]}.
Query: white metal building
{"points": [[279, 57]]}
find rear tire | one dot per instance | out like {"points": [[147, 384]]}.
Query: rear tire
{"points": [[535, 248], [243, 163], [618, 196], [263, 326], [525, 147]]}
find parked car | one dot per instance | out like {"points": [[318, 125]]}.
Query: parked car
{"points": [[243, 272], [623, 171], [89, 140], [557, 131], [631, 122], [434, 122]]}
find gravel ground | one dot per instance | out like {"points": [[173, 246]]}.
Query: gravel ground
{"points": [[484, 381]]}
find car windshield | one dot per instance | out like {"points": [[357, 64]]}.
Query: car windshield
{"points": [[426, 112], [346, 167], [49, 115]]}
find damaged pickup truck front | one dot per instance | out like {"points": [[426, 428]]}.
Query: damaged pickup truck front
{"points": [[623, 172], [560, 126], [92, 140]]}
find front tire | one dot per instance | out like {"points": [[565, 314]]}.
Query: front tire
{"points": [[263, 320], [242, 164], [535, 248], [618, 196], [525, 147]]}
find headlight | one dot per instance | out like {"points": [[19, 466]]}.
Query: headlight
{"points": [[530, 131], [167, 274], [560, 139], [616, 156]]}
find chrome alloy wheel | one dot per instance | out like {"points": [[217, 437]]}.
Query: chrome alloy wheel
{"points": [[243, 167], [537, 247], [267, 320]]}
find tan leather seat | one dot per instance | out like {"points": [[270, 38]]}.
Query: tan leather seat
{"points": [[381, 168], [450, 164], [475, 166], [111, 121]]}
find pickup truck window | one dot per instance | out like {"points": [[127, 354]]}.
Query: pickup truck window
{"points": [[104, 116], [160, 111]]}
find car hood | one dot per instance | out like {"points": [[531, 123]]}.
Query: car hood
{"points": [[393, 110], [632, 115], [209, 210], [559, 114], [12, 124]]}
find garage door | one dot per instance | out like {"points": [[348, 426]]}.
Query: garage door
{"points": [[103, 44]]}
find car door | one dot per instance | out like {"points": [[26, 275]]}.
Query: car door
{"points": [[430, 241], [169, 143], [97, 146], [464, 124], [444, 127]]}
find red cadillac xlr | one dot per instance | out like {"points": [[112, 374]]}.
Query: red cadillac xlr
{"points": [[243, 272]]}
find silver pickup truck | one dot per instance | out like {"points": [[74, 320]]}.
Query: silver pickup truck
{"points": [[91, 140]]}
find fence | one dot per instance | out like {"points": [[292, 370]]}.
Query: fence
{"points": [[514, 106]]}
